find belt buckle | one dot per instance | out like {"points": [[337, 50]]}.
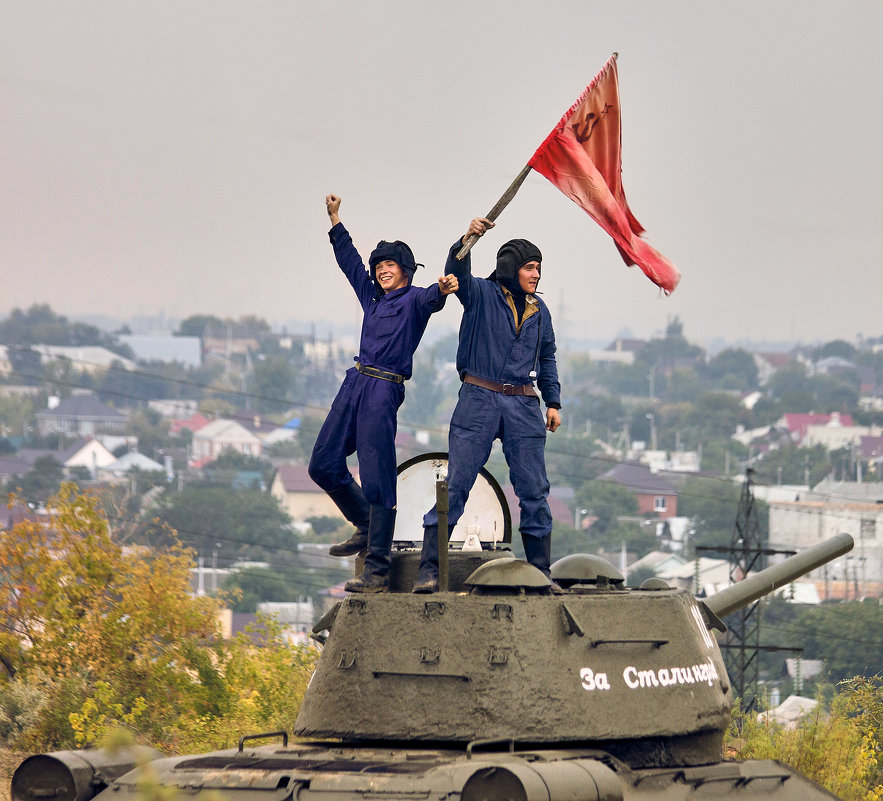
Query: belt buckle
{"points": [[508, 389]]}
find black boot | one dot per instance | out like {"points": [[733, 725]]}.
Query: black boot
{"points": [[427, 577], [378, 561], [354, 507], [538, 552]]}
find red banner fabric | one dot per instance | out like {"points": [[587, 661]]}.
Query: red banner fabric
{"points": [[582, 157]]}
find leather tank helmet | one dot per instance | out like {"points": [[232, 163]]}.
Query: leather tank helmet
{"points": [[511, 257], [397, 251]]}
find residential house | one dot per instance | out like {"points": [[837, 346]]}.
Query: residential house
{"points": [[835, 366], [834, 434], [120, 469], [769, 363], [12, 467], [671, 461], [87, 452], [174, 408], [798, 423], [266, 430], [295, 617], [222, 345], [5, 363], [656, 562], [20, 512], [87, 358], [654, 494], [218, 435], [81, 416], [192, 423], [712, 575], [184, 350], [299, 495], [561, 505]]}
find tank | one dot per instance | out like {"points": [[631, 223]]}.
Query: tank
{"points": [[501, 687]]}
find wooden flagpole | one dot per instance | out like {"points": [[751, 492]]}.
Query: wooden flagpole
{"points": [[495, 211]]}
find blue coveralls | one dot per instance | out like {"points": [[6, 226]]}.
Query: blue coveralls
{"points": [[362, 419], [491, 348]]}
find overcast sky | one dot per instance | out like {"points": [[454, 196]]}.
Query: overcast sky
{"points": [[174, 156]]}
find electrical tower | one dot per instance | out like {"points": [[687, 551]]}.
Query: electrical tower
{"points": [[742, 642], [747, 554]]}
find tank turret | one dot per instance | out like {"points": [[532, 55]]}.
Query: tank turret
{"points": [[503, 687], [635, 672]]}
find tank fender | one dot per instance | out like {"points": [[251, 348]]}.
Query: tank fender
{"points": [[555, 780], [75, 775]]}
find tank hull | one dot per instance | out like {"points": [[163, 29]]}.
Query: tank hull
{"points": [[346, 773]]}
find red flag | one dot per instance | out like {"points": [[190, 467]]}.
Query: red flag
{"points": [[582, 158]]}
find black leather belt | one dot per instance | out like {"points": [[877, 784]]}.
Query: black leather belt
{"points": [[375, 372], [504, 389]]}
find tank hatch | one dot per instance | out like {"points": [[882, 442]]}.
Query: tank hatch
{"points": [[507, 573], [585, 569]]}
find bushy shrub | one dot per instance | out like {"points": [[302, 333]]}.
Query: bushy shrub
{"points": [[838, 745]]}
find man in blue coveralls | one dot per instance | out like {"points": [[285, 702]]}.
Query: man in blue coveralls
{"points": [[506, 343], [363, 415]]}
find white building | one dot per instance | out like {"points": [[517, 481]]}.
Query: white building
{"points": [[218, 435], [802, 524]]}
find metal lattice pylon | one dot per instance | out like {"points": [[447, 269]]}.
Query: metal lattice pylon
{"points": [[742, 642]]}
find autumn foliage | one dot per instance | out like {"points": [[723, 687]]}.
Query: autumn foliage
{"points": [[839, 745], [94, 636]]}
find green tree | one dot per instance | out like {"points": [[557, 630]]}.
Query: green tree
{"points": [[734, 368], [231, 461], [16, 414], [716, 415], [837, 347], [233, 524], [793, 388], [152, 431], [607, 502], [791, 464], [272, 380], [712, 505], [42, 481], [197, 324]]}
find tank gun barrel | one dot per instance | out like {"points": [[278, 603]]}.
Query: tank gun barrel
{"points": [[745, 592]]}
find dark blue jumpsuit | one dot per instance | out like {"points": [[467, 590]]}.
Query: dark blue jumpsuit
{"points": [[491, 348], [362, 419]]}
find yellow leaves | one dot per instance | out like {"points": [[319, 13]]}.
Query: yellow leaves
{"points": [[103, 634], [838, 746], [101, 715]]}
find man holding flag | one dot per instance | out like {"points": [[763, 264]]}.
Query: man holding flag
{"points": [[506, 343]]}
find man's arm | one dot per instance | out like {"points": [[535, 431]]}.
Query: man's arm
{"points": [[463, 269], [348, 258], [432, 298], [547, 378]]}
